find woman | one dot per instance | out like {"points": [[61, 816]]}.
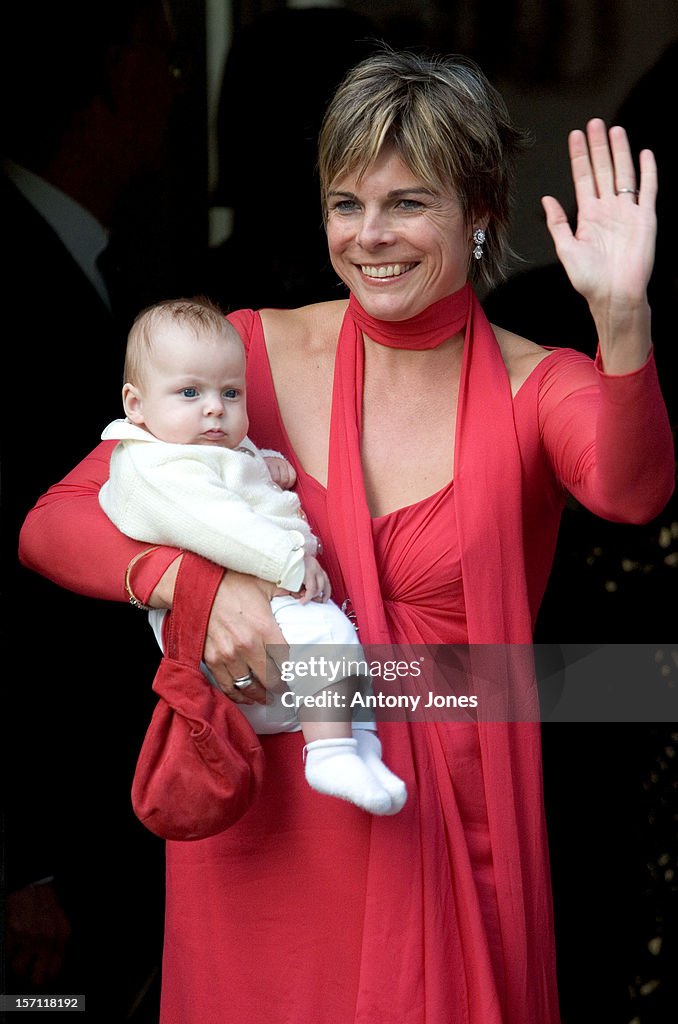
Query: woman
{"points": [[434, 469]]}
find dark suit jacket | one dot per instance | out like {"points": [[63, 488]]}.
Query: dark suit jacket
{"points": [[77, 673], [64, 345]]}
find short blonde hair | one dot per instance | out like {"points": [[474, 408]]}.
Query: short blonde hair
{"points": [[199, 314], [447, 124]]}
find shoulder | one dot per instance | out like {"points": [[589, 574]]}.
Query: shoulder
{"points": [[308, 329], [520, 356], [517, 352], [524, 359]]}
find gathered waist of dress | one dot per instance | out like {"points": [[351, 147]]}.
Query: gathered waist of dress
{"points": [[419, 565]]}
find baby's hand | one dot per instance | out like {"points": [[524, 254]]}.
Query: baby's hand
{"points": [[317, 585], [282, 472]]}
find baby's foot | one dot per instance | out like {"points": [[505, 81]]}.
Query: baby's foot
{"points": [[333, 767], [369, 750]]}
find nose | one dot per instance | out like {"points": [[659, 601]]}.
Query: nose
{"points": [[214, 405], [375, 229]]}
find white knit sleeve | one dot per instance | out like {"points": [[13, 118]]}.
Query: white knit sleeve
{"points": [[175, 495]]}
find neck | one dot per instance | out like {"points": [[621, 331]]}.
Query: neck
{"points": [[428, 329]]}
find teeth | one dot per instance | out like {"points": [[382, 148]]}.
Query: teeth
{"points": [[387, 269]]}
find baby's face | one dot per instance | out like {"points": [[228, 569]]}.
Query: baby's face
{"points": [[194, 390]]}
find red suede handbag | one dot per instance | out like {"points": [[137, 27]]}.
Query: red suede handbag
{"points": [[201, 764]]}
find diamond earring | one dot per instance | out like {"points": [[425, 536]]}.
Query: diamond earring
{"points": [[479, 239]]}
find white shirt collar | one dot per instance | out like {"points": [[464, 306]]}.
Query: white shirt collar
{"points": [[79, 230], [124, 430], [119, 430]]}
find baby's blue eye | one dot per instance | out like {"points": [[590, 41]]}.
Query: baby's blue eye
{"points": [[231, 393], [189, 392]]}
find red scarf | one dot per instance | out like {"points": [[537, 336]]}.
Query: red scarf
{"points": [[487, 471], [488, 504], [428, 329]]}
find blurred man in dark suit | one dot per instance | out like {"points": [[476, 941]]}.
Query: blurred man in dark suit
{"points": [[87, 92]]}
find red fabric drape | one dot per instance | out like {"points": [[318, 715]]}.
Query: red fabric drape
{"points": [[488, 503]]}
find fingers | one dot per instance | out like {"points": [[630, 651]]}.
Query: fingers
{"points": [[317, 585], [624, 170], [241, 626], [228, 669], [591, 158], [290, 476], [648, 180], [325, 591], [282, 472], [602, 165], [244, 689], [580, 162], [557, 222], [600, 144]]}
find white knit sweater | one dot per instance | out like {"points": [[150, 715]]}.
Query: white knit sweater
{"points": [[219, 503]]}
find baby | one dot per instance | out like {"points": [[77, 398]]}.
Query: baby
{"points": [[185, 474]]}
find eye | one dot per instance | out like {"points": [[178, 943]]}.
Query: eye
{"points": [[189, 392], [410, 204], [231, 393], [344, 206]]}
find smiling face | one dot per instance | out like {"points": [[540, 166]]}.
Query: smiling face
{"points": [[397, 244], [193, 388]]}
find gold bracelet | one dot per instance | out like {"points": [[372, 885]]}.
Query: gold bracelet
{"points": [[133, 599]]}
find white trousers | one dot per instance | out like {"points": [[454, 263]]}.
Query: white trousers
{"points": [[323, 649]]}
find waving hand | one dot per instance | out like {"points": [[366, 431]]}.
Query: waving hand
{"points": [[609, 256]]}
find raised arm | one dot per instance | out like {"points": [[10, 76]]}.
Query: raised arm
{"points": [[609, 256], [608, 437]]}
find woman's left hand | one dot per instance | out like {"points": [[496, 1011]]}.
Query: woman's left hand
{"points": [[609, 256]]}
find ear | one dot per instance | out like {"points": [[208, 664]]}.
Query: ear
{"points": [[133, 404]]}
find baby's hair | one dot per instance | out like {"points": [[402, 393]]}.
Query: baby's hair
{"points": [[200, 314]]}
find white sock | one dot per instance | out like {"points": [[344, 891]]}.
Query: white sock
{"points": [[334, 768], [369, 750]]}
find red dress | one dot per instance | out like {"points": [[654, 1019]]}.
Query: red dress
{"points": [[403, 919], [311, 910]]}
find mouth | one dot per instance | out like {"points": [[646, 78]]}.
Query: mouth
{"points": [[214, 435], [386, 270]]}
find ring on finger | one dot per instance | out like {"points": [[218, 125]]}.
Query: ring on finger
{"points": [[241, 682], [631, 191]]}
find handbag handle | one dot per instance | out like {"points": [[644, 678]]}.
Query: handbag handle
{"points": [[194, 592]]}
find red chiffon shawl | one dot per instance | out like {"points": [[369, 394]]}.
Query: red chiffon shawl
{"points": [[433, 901]]}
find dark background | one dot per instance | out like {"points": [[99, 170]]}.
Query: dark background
{"points": [[232, 210]]}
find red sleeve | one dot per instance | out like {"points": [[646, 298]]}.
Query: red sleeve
{"points": [[608, 437], [68, 538], [243, 320]]}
